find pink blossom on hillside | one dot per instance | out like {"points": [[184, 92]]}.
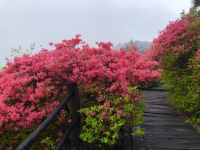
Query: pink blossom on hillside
{"points": [[175, 31], [32, 86]]}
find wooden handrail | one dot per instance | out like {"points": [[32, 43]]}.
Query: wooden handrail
{"points": [[75, 106]]}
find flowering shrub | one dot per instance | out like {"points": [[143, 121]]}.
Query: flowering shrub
{"points": [[177, 50], [194, 90], [103, 122], [176, 37], [32, 85], [168, 38]]}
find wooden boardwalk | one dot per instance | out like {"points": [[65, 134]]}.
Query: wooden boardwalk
{"points": [[164, 129]]}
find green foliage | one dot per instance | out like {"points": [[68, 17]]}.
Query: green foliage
{"points": [[132, 90], [138, 132], [96, 129], [194, 120], [50, 143], [102, 124], [196, 13], [181, 77], [181, 69], [138, 113]]}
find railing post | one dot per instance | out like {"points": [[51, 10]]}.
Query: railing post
{"points": [[74, 106]]}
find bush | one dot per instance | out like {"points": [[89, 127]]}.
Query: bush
{"points": [[102, 123], [31, 86], [177, 50]]}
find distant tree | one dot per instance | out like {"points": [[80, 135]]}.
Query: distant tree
{"points": [[194, 8], [196, 3]]}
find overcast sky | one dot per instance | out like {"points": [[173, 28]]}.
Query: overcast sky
{"points": [[23, 22]]}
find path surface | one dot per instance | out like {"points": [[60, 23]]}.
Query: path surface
{"points": [[164, 129]]}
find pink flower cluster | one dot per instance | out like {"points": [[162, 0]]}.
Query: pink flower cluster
{"points": [[175, 31], [197, 58], [32, 86], [178, 37]]}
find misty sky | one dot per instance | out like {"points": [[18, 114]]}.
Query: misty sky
{"points": [[23, 22]]}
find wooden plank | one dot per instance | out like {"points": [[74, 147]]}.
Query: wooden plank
{"points": [[164, 123], [163, 118], [180, 141], [174, 128], [158, 115], [161, 113], [173, 136]]}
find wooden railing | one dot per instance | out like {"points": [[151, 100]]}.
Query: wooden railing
{"points": [[70, 138]]}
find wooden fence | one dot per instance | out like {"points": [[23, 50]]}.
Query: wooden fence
{"points": [[70, 139]]}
